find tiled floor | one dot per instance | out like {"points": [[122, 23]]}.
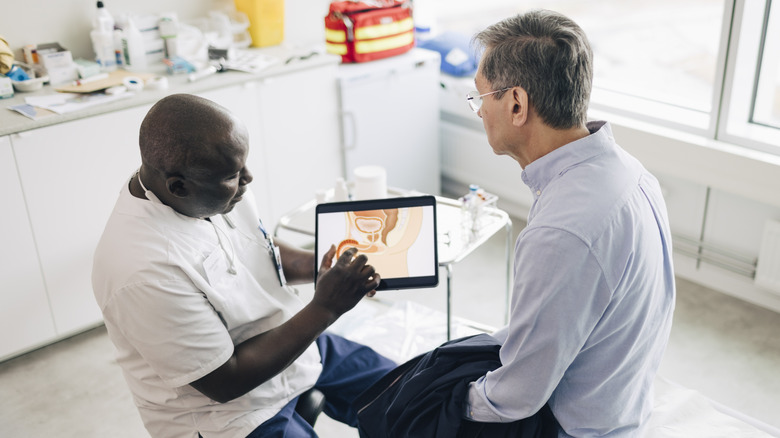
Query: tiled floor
{"points": [[727, 349]]}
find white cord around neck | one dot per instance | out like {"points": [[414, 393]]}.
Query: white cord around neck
{"points": [[231, 256], [138, 175], [148, 193]]}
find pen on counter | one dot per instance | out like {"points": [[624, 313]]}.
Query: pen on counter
{"points": [[92, 78]]}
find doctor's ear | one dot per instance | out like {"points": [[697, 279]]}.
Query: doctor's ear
{"points": [[520, 106], [176, 186]]}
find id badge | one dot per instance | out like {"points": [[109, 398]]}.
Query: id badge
{"points": [[277, 255]]}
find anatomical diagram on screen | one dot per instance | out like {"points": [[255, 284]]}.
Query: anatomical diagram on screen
{"points": [[390, 238]]}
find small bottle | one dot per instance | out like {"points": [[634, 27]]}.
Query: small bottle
{"points": [[103, 44], [470, 204], [340, 192], [133, 47], [169, 30], [118, 50], [103, 19], [102, 36]]}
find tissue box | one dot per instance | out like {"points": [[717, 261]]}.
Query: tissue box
{"points": [[60, 67], [6, 88]]}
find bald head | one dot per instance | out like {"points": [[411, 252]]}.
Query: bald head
{"points": [[180, 133], [193, 155]]}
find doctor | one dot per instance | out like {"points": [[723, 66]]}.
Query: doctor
{"points": [[593, 284], [211, 338]]}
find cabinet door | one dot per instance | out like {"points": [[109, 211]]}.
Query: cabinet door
{"points": [[300, 135], [71, 175], [25, 317], [391, 118], [235, 100]]}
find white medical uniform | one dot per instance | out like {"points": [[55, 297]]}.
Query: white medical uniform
{"points": [[174, 311]]}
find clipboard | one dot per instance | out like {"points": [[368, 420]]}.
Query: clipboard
{"points": [[114, 78]]}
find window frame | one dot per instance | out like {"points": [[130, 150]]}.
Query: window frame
{"points": [[687, 120], [735, 118]]}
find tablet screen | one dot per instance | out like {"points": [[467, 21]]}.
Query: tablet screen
{"points": [[397, 235]]}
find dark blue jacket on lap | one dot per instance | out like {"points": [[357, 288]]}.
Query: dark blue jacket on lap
{"points": [[425, 396]]}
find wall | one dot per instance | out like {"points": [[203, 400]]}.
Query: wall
{"points": [[69, 22]]}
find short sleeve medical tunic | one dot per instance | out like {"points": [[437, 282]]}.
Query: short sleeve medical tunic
{"points": [[177, 294]]}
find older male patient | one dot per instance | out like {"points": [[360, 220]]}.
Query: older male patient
{"points": [[211, 338], [594, 284]]}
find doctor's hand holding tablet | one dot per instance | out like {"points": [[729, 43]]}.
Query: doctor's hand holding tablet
{"points": [[342, 284]]}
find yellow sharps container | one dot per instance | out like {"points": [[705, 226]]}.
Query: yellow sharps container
{"points": [[266, 20]]}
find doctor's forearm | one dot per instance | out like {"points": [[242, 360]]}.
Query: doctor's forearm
{"points": [[262, 357], [298, 264]]}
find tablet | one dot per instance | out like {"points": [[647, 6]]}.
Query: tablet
{"points": [[398, 235]]}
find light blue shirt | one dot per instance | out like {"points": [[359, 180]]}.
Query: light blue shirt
{"points": [[593, 295]]}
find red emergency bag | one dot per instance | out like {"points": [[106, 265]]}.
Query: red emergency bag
{"points": [[365, 30]]}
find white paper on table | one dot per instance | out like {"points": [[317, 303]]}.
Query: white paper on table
{"points": [[65, 102]]}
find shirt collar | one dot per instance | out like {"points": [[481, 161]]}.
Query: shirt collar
{"points": [[539, 173]]}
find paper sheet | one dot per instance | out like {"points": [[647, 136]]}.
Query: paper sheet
{"points": [[30, 111], [62, 103], [114, 78]]}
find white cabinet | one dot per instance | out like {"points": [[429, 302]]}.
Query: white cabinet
{"points": [[25, 317], [299, 127], [71, 174], [390, 118]]}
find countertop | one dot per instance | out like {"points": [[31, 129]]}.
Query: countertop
{"points": [[12, 122]]}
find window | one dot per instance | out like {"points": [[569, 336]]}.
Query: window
{"points": [[748, 113], [709, 67], [766, 110]]}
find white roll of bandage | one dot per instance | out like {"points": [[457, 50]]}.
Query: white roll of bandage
{"points": [[157, 83], [133, 83], [370, 183]]}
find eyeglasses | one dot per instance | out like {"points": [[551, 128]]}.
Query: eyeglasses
{"points": [[474, 99]]}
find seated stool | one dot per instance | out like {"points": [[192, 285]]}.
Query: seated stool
{"points": [[310, 405]]}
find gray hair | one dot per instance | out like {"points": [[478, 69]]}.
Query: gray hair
{"points": [[548, 55]]}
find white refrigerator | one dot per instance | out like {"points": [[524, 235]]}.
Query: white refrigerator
{"points": [[390, 118]]}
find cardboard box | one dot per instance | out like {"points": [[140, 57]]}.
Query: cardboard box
{"points": [[60, 67]]}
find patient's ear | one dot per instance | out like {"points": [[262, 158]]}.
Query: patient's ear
{"points": [[176, 186], [520, 106]]}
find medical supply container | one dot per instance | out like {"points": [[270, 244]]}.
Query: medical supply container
{"points": [[266, 20]]}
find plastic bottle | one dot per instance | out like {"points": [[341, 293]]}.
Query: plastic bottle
{"points": [[340, 192], [169, 30], [133, 47], [103, 44], [103, 19], [102, 36], [118, 50], [470, 204]]}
